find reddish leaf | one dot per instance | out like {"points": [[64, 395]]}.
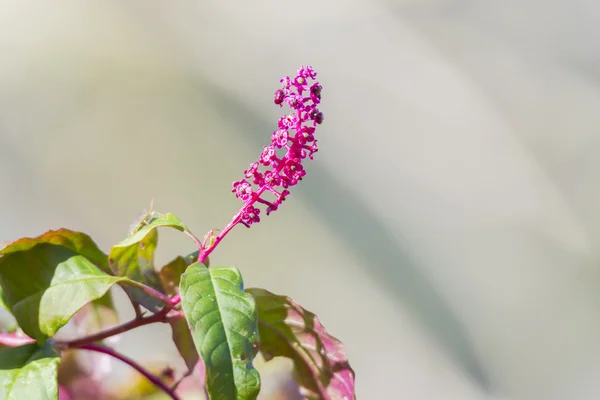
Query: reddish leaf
{"points": [[170, 274], [75, 241], [288, 330]]}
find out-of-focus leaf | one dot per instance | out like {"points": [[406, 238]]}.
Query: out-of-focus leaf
{"points": [[8, 323], [3, 304], [320, 361], [133, 257], [96, 316], [46, 284], [81, 380], [63, 393], [182, 337], [170, 274], [153, 221], [223, 322], [28, 372]]}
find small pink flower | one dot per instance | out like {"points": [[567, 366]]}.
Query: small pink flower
{"points": [[307, 72], [249, 173], [267, 155], [305, 135], [286, 83], [288, 121], [242, 190], [250, 216], [279, 138], [272, 179]]}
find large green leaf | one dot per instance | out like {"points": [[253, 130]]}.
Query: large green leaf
{"points": [[223, 322], [133, 257], [288, 330], [44, 285], [28, 372]]}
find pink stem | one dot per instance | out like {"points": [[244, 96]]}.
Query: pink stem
{"points": [[151, 377], [204, 253]]}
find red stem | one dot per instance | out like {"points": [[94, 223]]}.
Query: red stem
{"points": [[151, 377], [158, 317]]}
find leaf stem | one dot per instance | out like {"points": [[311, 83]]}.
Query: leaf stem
{"points": [[151, 377], [166, 300], [194, 239]]}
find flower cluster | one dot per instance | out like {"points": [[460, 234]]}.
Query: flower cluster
{"points": [[280, 164]]}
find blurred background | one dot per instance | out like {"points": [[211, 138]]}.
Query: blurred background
{"points": [[448, 229]]}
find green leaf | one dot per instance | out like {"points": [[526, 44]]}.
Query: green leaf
{"points": [[223, 322], [170, 274], [133, 257], [153, 221], [46, 284], [28, 372], [320, 361]]}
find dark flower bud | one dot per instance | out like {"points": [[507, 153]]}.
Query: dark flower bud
{"points": [[278, 96], [317, 116]]}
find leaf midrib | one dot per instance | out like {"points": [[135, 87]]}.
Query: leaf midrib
{"points": [[217, 303]]}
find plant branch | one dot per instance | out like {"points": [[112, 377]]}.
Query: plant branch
{"points": [[127, 326], [151, 377]]}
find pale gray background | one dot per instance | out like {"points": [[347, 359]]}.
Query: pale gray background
{"points": [[448, 229]]}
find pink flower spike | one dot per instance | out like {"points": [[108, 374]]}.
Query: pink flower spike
{"points": [[280, 165], [294, 135]]}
